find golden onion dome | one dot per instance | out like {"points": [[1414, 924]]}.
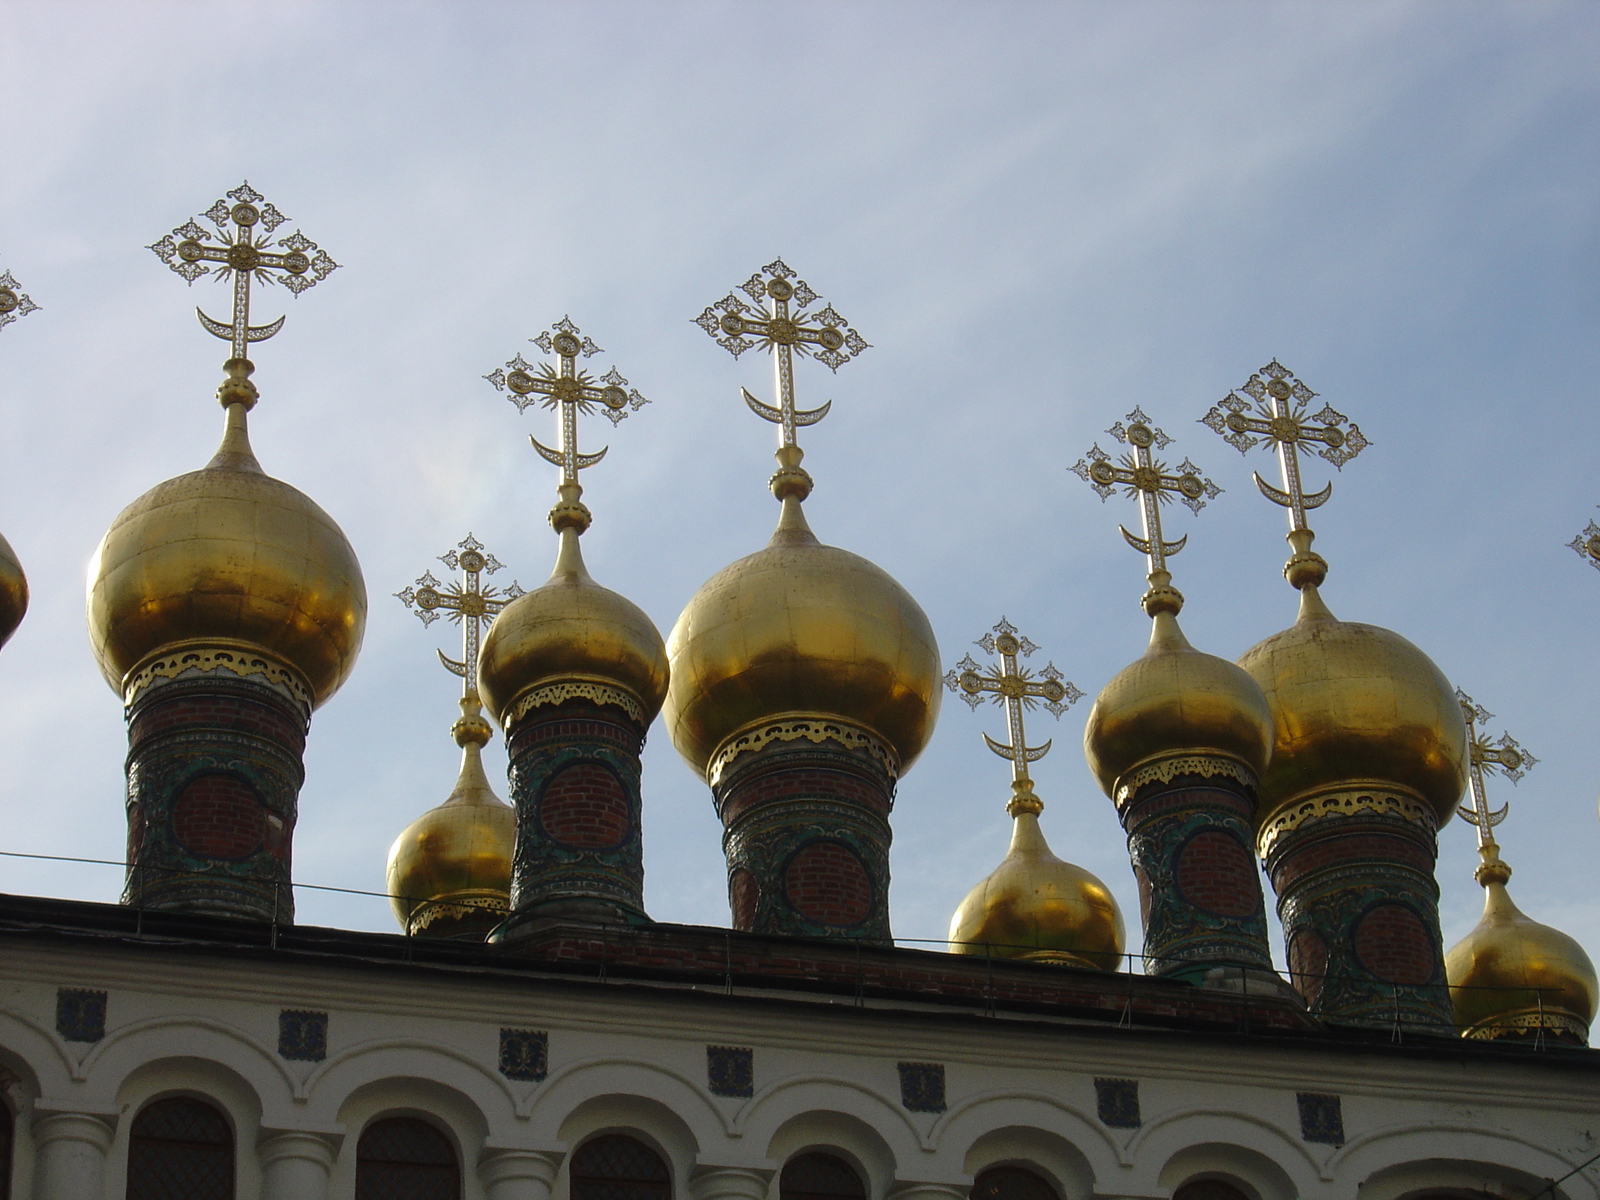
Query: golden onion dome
{"points": [[227, 554], [800, 627], [1176, 699], [1355, 702], [572, 630], [13, 591], [449, 872], [1034, 906], [1511, 975]]}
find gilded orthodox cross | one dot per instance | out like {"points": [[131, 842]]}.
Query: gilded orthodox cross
{"points": [[14, 303], [778, 321], [1587, 544], [468, 602], [1280, 421], [1016, 689], [241, 248], [1504, 756], [1142, 475], [572, 391]]}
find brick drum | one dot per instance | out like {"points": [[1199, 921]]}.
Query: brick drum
{"points": [[1308, 963], [585, 806], [827, 882], [1215, 874], [743, 894], [219, 816], [1393, 943]]}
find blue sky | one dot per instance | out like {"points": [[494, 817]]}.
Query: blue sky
{"points": [[1040, 215]]}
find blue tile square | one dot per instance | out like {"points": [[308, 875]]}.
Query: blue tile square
{"points": [[524, 1054], [731, 1070], [80, 1015], [922, 1087], [1321, 1118], [302, 1036], [1117, 1101]]}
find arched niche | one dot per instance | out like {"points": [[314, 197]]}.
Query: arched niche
{"points": [[401, 1157], [842, 1135], [820, 1175], [1062, 1164], [1456, 1179], [640, 1117], [452, 1112], [182, 1145], [203, 1079], [1251, 1174]]}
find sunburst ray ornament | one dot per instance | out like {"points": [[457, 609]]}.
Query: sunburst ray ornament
{"points": [[14, 302]]}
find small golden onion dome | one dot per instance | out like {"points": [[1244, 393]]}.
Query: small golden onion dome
{"points": [[1034, 906], [1511, 975], [1356, 702], [449, 872], [1176, 699], [799, 627], [571, 628], [13, 591], [228, 554]]}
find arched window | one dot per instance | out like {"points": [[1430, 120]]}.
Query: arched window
{"points": [[618, 1167], [1012, 1183], [180, 1149], [818, 1176], [1209, 1189], [404, 1158]]}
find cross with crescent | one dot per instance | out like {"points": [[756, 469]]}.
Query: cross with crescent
{"points": [[1143, 476], [1280, 421], [14, 302], [241, 246], [566, 387], [1504, 756], [468, 602], [1587, 544], [777, 321], [1016, 688]]}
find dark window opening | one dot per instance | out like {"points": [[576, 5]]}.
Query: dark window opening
{"points": [[818, 1176], [405, 1158], [618, 1167], [1209, 1189], [180, 1149], [1012, 1183]]}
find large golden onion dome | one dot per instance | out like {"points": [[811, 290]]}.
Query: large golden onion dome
{"points": [[1354, 702], [227, 555], [1034, 906], [800, 627], [572, 630], [1512, 976], [13, 591], [1176, 699], [449, 872]]}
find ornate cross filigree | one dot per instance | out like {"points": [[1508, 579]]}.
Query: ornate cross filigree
{"points": [[240, 248], [569, 389], [778, 322], [1016, 689], [1587, 544], [1504, 756], [1280, 421], [467, 601], [1141, 475], [14, 303]]}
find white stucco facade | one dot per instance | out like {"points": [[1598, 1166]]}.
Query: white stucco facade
{"points": [[631, 1057]]}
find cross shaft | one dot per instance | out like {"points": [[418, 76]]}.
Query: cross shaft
{"points": [[240, 247], [1015, 689], [468, 602], [1504, 756]]}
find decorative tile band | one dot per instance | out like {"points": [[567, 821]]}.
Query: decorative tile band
{"points": [[302, 1035], [812, 727], [730, 1070], [241, 660], [80, 1014], [524, 1054], [1376, 798], [1165, 770], [922, 1087], [1321, 1118], [592, 690], [1117, 1102]]}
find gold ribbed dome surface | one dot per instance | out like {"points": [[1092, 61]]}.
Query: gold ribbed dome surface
{"points": [[1035, 906], [228, 554], [13, 591], [1510, 967], [800, 627], [571, 628], [1176, 699], [1354, 702], [452, 865]]}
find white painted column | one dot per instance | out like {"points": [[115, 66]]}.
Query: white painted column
{"points": [[69, 1156], [295, 1164], [508, 1174], [729, 1183]]}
